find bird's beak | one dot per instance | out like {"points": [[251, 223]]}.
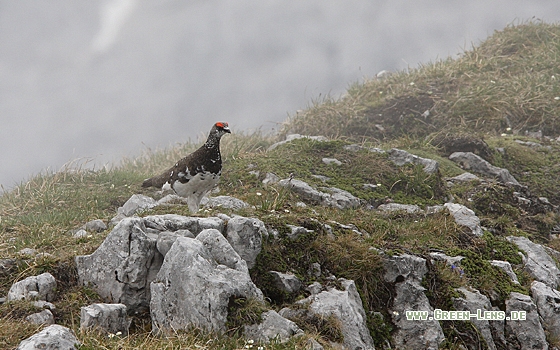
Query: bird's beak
{"points": [[226, 129]]}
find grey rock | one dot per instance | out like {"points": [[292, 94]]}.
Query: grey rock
{"points": [[296, 231], [192, 289], [41, 287], [537, 262], [51, 337], [136, 204], [548, 306], [404, 267], [245, 236], [221, 250], [291, 137], [286, 282], [406, 272], [506, 266], [108, 318], [337, 198], [450, 260], [528, 333], [370, 187], [270, 178], [400, 158], [95, 226], [173, 222], [44, 317], [342, 199], [330, 161], [472, 302], [391, 207], [80, 234], [353, 147], [123, 266], [272, 327], [44, 304], [226, 202], [464, 177], [314, 288], [475, 163], [346, 306], [434, 209], [166, 239], [465, 217]]}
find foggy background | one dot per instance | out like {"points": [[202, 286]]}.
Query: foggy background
{"points": [[103, 79]]}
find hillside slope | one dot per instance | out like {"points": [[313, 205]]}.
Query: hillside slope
{"points": [[499, 100]]}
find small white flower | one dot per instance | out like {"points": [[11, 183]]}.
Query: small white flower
{"points": [[557, 98], [508, 129], [111, 335], [259, 194], [260, 348], [504, 134], [118, 333], [492, 81], [395, 313], [286, 210], [411, 84], [378, 185], [250, 341], [553, 77]]}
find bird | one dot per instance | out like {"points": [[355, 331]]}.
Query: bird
{"points": [[197, 173]]}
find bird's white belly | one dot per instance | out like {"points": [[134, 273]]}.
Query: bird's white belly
{"points": [[196, 188]]}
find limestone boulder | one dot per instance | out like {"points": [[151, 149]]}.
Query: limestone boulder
{"points": [[473, 301], [51, 337], [537, 262], [346, 306], [108, 318], [272, 327], [472, 162], [406, 273], [193, 289], [527, 333], [245, 236], [400, 157], [548, 306], [333, 197], [123, 266], [41, 287], [465, 217]]}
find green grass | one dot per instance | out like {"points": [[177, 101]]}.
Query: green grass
{"points": [[506, 82]]}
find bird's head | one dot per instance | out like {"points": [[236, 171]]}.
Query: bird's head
{"points": [[220, 129]]}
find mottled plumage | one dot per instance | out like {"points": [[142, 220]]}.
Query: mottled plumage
{"points": [[197, 173]]}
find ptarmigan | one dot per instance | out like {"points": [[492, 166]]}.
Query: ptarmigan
{"points": [[196, 174]]}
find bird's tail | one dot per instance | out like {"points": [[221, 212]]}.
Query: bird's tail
{"points": [[148, 182]]}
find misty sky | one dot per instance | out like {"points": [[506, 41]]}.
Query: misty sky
{"points": [[105, 79]]}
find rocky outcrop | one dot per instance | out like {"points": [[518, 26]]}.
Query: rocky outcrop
{"points": [[193, 289], [272, 327], [537, 262], [471, 162], [472, 302], [334, 197], [226, 202], [44, 317], [52, 337], [400, 158], [346, 306], [406, 272], [527, 333], [107, 318], [391, 207], [286, 282], [506, 267], [41, 287], [245, 236], [465, 217], [121, 269], [548, 305]]}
